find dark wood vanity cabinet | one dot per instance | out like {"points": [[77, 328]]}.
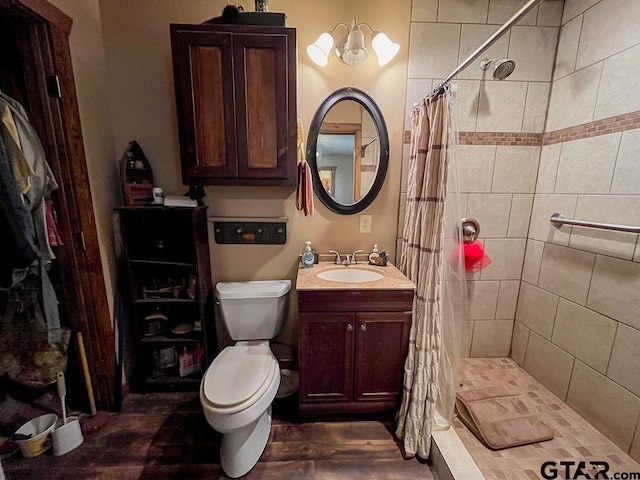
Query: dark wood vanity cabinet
{"points": [[352, 348], [236, 103]]}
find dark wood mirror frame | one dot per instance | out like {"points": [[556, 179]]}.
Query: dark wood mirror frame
{"points": [[348, 93]]}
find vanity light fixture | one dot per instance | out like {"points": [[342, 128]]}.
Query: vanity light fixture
{"points": [[351, 49]]}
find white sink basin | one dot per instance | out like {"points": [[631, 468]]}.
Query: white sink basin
{"points": [[350, 275]]}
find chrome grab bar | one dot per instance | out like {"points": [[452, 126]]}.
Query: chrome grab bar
{"points": [[558, 220]]}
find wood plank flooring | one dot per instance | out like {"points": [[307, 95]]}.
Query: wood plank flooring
{"points": [[165, 436]]}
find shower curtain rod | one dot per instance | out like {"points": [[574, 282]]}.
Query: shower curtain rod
{"points": [[530, 5]]}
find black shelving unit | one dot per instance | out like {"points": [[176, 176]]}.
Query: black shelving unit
{"points": [[166, 254]]}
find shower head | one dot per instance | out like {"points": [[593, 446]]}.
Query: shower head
{"points": [[503, 68]]}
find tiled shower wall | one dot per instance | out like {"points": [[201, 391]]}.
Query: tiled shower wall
{"points": [[501, 126], [577, 326]]}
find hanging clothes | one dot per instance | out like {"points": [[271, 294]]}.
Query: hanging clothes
{"points": [[17, 235], [35, 185], [22, 171], [42, 179]]}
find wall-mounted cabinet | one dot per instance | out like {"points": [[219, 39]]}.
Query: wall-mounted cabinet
{"points": [[166, 262], [352, 347], [236, 103]]}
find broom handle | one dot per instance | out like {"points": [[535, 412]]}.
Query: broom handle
{"points": [[85, 371]]}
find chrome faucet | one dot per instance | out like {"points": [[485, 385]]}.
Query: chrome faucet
{"points": [[354, 260], [347, 260], [338, 261]]}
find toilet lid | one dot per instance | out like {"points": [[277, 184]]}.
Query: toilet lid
{"points": [[254, 289], [237, 374]]}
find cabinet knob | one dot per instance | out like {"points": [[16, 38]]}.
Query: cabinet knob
{"points": [[238, 231], [349, 327], [363, 327]]}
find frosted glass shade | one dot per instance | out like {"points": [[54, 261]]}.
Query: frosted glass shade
{"points": [[355, 51], [319, 50], [385, 49]]}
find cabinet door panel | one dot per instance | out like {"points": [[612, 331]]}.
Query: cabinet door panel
{"points": [[326, 357], [209, 110], [382, 340], [262, 104], [262, 123], [203, 69]]}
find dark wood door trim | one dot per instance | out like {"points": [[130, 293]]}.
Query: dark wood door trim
{"points": [[60, 130], [40, 10]]}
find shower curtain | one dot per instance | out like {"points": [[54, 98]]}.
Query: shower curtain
{"points": [[431, 257]]}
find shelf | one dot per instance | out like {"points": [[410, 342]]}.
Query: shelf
{"points": [[164, 300], [187, 338], [162, 263], [183, 257], [175, 383], [157, 207]]}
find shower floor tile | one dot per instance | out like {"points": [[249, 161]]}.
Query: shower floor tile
{"points": [[574, 438]]}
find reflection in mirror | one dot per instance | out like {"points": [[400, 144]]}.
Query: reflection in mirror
{"points": [[348, 147], [345, 142]]}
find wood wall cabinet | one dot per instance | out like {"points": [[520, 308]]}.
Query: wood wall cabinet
{"points": [[166, 261], [236, 102], [352, 347]]}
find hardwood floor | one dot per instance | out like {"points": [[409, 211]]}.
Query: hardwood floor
{"points": [[165, 436]]}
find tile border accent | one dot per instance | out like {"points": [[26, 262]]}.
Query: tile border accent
{"points": [[605, 126], [619, 123], [493, 138], [500, 138]]}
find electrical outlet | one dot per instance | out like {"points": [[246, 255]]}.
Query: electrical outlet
{"points": [[365, 223]]}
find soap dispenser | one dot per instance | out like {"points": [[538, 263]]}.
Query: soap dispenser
{"points": [[308, 257], [377, 257]]}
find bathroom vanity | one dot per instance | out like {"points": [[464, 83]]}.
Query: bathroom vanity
{"points": [[353, 338]]}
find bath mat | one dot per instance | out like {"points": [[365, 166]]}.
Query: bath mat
{"points": [[500, 418]]}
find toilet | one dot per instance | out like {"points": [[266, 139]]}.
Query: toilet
{"points": [[239, 386]]}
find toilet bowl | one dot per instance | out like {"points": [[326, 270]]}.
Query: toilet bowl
{"points": [[239, 386]]}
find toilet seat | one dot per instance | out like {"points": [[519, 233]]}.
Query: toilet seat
{"points": [[238, 377]]}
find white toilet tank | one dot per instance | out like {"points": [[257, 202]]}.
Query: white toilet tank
{"points": [[254, 310]]}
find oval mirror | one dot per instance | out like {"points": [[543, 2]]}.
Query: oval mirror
{"points": [[348, 151]]}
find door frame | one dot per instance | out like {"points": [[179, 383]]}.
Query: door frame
{"points": [[46, 40]]}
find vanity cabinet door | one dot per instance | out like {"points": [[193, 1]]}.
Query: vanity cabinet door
{"points": [[381, 348], [326, 357]]}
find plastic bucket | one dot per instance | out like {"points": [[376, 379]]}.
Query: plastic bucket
{"points": [[40, 429], [67, 436]]}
